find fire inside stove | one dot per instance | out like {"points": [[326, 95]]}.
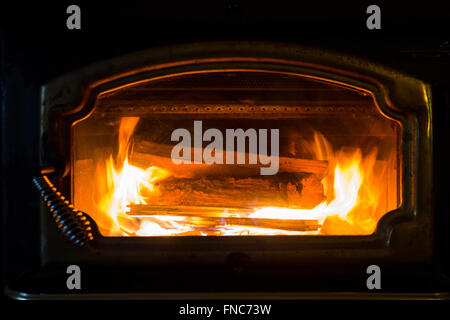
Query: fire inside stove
{"points": [[236, 154]]}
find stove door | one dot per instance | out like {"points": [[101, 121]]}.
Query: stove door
{"points": [[236, 153]]}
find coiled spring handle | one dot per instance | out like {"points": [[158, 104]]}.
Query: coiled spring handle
{"points": [[75, 225]]}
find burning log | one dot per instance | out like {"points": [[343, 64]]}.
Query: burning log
{"points": [[142, 209], [148, 153], [213, 217], [283, 190]]}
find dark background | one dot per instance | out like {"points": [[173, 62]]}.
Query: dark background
{"points": [[36, 46]]}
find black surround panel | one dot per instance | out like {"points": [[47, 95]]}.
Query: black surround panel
{"points": [[36, 47]]}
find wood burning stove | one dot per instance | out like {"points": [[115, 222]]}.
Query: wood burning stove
{"points": [[236, 167], [158, 176]]}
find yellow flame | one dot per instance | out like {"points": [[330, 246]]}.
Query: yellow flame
{"points": [[127, 184], [351, 186], [347, 182], [351, 208]]}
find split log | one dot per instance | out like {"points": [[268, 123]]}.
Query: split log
{"points": [[152, 209], [284, 190], [201, 219], [148, 153], [282, 224]]}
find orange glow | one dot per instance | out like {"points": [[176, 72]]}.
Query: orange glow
{"points": [[349, 176], [127, 184], [353, 188]]}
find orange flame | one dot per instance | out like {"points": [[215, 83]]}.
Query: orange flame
{"points": [[127, 184], [349, 177], [353, 190]]}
